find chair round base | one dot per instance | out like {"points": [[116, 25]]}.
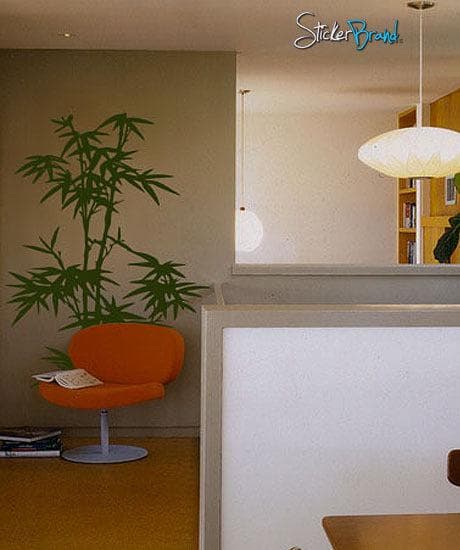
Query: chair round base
{"points": [[92, 454]]}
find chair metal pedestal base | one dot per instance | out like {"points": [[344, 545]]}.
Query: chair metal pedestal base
{"points": [[92, 454], [104, 453]]}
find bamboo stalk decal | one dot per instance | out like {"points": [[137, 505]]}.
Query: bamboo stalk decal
{"points": [[88, 178]]}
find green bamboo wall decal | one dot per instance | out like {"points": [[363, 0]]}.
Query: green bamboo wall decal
{"points": [[88, 177]]}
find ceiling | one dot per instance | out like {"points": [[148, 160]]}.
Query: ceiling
{"points": [[240, 25], [262, 32]]}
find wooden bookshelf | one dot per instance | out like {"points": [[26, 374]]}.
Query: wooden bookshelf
{"points": [[407, 191], [406, 194], [444, 113], [435, 214]]}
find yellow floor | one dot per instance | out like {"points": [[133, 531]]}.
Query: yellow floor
{"points": [[54, 504]]}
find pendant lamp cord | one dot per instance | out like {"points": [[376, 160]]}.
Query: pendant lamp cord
{"points": [[420, 84], [419, 111], [242, 162]]}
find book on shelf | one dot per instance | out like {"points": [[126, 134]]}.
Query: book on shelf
{"points": [[409, 215], [27, 434], [72, 379], [411, 252]]}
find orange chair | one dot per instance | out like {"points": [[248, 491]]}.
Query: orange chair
{"points": [[134, 361]]}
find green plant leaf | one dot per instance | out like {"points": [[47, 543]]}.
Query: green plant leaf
{"points": [[59, 358], [89, 176], [113, 312], [39, 165], [54, 237], [138, 120], [37, 248], [50, 193], [448, 242], [162, 289]]}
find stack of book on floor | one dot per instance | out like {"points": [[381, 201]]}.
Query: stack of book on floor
{"points": [[30, 442]]}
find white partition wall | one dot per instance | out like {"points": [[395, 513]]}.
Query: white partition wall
{"points": [[309, 411], [327, 421]]}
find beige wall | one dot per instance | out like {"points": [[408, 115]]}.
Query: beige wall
{"points": [[317, 202], [191, 98]]}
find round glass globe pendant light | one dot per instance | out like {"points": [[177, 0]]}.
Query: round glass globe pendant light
{"points": [[420, 152], [249, 230]]}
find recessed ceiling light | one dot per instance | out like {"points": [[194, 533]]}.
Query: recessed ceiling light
{"points": [[66, 34]]}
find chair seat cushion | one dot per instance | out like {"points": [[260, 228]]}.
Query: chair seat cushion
{"points": [[105, 396]]}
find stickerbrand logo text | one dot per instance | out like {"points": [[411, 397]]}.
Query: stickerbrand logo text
{"points": [[357, 30]]}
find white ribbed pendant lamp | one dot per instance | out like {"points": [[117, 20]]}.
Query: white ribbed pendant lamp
{"points": [[420, 152]]}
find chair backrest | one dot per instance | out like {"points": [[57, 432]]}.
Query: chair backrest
{"points": [[128, 353]]}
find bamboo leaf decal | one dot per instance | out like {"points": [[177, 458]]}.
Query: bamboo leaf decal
{"points": [[58, 358], [88, 178]]}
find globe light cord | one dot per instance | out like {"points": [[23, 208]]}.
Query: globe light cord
{"points": [[249, 229], [242, 163]]}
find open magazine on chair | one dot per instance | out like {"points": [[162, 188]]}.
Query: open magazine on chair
{"points": [[73, 379]]}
